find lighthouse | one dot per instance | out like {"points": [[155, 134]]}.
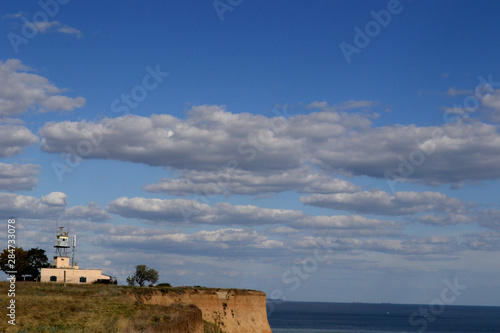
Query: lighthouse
{"points": [[64, 271], [61, 256]]}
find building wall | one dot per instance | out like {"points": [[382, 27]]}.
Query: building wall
{"points": [[62, 262], [72, 275]]}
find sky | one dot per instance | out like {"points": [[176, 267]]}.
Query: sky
{"points": [[338, 151]]}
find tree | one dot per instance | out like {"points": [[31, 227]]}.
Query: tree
{"points": [[142, 274], [37, 259], [25, 263], [14, 259]]}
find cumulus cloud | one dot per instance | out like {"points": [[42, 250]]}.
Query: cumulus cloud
{"points": [[237, 181], [410, 247], [16, 177], [213, 139], [183, 210], [176, 211], [343, 222], [14, 139], [482, 241], [382, 203], [12, 121], [445, 219], [23, 91], [432, 155], [91, 212], [493, 101], [489, 218], [209, 140], [227, 242], [20, 206]]}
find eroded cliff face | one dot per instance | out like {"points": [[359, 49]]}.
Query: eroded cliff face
{"points": [[233, 310], [182, 319]]}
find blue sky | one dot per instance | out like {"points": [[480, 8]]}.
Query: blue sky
{"points": [[238, 145]]}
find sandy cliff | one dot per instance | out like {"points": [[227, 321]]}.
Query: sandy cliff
{"points": [[182, 319], [233, 310]]}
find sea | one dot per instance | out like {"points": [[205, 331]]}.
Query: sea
{"points": [[315, 317]]}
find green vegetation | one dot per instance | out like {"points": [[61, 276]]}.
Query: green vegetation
{"points": [[51, 307], [26, 263], [211, 328], [142, 275]]}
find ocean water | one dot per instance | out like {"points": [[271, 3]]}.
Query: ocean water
{"points": [[313, 317]]}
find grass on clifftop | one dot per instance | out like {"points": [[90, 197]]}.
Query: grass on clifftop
{"points": [[51, 307]]}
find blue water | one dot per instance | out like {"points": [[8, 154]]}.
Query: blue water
{"points": [[312, 317]]}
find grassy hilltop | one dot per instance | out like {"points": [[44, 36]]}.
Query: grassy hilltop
{"points": [[50, 307]]}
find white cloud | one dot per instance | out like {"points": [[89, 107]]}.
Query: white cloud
{"points": [[483, 241], [414, 246], [45, 26], [55, 26], [62, 103], [489, 218], [15, 15], [462, 111], [91, 212], [69, 30], [452, 92], [12, 121], [432, 155], [351, 104], [445, 219], [343, 222], [212, 139], [16, 177], [237, 181], [382, 203], [20, 206], [176, 211], [22, 91], [228, 242], [14, 139], [492, 100], [55, 199]]}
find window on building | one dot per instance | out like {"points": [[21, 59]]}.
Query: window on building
{"points": [[83, 279], [53, 278]]}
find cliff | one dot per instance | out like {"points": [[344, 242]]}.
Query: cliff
{"points": [[182, 319], [52, 307], [233, 310]]}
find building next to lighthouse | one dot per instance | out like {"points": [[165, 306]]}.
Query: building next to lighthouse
{"points": [[65, 271]]}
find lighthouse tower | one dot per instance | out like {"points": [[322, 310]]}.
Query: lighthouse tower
{"points": [[64, 271], [61, 257]]}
